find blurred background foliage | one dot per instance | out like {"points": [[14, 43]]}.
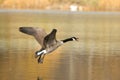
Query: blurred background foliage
{"points": [[86, 5]]}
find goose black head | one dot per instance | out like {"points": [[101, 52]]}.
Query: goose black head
{"points": [[75, 39]]}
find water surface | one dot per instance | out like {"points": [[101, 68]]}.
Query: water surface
{"points": [[96, 56]]}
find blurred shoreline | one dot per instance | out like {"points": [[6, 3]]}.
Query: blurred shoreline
{"points": [[55, 11], [62, 5]]}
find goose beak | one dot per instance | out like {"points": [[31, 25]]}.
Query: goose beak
{"points": [[77, 39]]}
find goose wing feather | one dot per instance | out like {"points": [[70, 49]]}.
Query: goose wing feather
{"points": [[50, 39], [38, 33]]}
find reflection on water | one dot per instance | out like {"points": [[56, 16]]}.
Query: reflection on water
{"points": [[95, 57]]}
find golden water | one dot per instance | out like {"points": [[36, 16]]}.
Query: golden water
{"points": [[96, 56]]}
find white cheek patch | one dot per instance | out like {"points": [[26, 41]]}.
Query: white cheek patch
{"points": [[41, 52], [73, 39]]}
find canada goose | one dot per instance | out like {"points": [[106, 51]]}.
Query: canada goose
{"points": [[47, 41]]}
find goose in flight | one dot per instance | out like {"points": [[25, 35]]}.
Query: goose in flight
{"points": [[48, 42]]}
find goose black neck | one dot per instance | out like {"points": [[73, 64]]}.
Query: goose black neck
{"points": [[68, 39]]}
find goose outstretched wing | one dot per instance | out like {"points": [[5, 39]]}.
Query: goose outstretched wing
{"points": [[38, 33], [50, 39]]}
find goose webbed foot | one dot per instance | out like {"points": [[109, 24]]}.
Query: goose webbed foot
{"points": [[40, 61]]}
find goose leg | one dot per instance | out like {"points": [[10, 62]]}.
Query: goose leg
{"points": [[39, 59], [42, 58]]}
